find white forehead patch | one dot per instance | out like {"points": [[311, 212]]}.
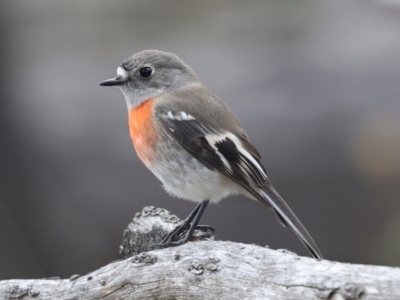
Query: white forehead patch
{"points": [[122, 73]]}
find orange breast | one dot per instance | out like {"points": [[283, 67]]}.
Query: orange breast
{"points": [[142, 131]]}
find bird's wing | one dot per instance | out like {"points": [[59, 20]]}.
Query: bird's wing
{"points": [[217, 149], [237, 159], [222, 150]]}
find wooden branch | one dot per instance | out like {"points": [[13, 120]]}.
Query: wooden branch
{"points": [[208, 269]]}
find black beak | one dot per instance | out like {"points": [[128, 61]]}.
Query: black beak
{"points": [[112, 82]]}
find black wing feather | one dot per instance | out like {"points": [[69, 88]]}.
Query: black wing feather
{"points": [[191, 134]]}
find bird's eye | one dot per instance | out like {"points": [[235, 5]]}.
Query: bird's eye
{"points": [[145, 72]]}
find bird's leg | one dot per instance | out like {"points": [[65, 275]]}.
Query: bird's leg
{"points": [[195, 215], [170, 236]]}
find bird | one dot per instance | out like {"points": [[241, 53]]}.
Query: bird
{"points": [[193, 143]]}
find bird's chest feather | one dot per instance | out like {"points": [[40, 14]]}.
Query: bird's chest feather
{"points": [[142, 131]]}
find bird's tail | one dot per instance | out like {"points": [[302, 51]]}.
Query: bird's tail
{"points": [[286, 216]]}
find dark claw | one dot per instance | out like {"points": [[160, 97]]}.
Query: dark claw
{"points": [[174, 233], [205, 228]]}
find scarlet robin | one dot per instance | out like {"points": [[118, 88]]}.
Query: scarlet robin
{"points": [[192, 142]]}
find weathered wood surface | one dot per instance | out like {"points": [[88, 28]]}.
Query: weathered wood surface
{"points": [[208, 269]]}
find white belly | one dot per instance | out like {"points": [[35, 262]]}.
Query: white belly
{"points": [[185, 177]]}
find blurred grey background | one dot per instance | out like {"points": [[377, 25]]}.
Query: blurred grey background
{"points": [[316, 84]]}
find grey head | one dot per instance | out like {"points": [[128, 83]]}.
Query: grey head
{"points": [[150, 73]]}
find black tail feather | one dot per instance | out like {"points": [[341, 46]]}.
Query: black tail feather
{"points": [[284, 214]]}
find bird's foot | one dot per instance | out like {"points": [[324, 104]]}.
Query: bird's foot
{"points": [[182, 234], [177, 237]]}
